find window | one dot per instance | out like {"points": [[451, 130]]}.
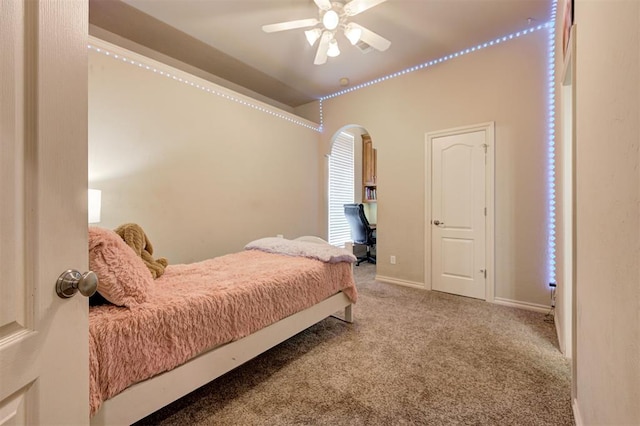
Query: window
{"points": [[341, 188]]}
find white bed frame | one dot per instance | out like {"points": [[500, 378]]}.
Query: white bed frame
{"points": [[144, 398]]}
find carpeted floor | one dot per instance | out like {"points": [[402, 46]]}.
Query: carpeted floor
{"points": [[411, 357]]}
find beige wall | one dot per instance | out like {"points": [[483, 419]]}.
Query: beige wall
{"points": [[505, 84], [201, 174], [608, 211]]}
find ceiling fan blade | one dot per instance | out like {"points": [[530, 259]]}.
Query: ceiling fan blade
{"points": [[372, 39], [323, 47], [323, 4], [290, 25], [358, 6]]}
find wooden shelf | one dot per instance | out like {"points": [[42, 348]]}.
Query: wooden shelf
{"points": [[369, 171]]}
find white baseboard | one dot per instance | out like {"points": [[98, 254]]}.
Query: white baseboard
{"points": [[522, 305], [498, 300], [397, 281], [576, 412]]}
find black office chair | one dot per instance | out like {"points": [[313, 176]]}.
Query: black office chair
{"points": [[361, 232]]}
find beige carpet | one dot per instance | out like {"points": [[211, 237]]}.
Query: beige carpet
{"points": [[411, 357]]}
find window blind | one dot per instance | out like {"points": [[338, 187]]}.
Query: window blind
{"points": [[341, 188]]}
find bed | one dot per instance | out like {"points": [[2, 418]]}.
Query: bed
{"points": [[160, 339]]}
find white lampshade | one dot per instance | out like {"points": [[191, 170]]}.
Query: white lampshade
{"points": [[313, 35], [353, 34], [95, 203], [333, 50]]}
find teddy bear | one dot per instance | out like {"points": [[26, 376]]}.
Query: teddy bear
{"points": [[135, 237]]}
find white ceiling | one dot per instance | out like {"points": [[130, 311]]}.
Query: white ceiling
{"points": [[419, 31]]}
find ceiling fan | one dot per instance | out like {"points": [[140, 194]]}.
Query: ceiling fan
{"points": [[333, 16]]}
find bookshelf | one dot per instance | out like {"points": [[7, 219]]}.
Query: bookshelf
{"points": [[369, 177]]}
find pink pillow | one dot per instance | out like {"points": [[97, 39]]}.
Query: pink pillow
{"points": [[123, 278]]}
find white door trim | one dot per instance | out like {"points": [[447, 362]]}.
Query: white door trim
{"points": [[489, 129]]}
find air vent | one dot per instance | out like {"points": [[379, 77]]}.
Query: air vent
{"points": [[364, 47]]}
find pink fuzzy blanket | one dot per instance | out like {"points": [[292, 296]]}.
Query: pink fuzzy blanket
{"points": [[195, 307]]}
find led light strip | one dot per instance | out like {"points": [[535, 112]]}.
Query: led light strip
{"points": [[222, 94], [438, 61], [551, 128], [321, 113]]}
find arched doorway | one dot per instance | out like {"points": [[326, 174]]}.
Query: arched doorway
{"points": [[347, 184]]}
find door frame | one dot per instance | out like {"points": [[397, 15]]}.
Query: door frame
{"points": [[489, 129], [566, 328]]}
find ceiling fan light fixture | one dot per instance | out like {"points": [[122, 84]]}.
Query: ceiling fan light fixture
{"points": [[330, 20], [333, 50], [353, 34], [313, 35], [331, 16]]}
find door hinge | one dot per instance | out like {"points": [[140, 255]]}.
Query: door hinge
{"points": [[485, 211], [484, 272], [485, 146]]}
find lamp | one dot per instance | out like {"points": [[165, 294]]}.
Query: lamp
{"points": [[95, 202], [353, 34], [313, 35], [333, 50]]}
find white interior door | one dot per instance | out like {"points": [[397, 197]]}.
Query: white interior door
{"points": [[458, 207], [43, 213]]}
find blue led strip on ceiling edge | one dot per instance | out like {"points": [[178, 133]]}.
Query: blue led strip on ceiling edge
{"points": [[206, 87], [439, 60]]}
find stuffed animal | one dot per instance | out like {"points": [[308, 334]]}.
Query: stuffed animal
{"points": [[134, 236]]}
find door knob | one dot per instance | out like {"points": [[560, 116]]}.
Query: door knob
{"points": [[437, 222], [72, 281]]}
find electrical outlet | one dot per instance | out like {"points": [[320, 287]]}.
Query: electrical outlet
{"points": [[392, 259], [279, 236]]}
